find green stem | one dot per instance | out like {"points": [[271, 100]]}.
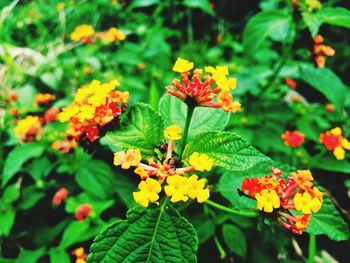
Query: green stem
{"points": [[190, 111], [220, 248], [231, 210], [312, 248]]}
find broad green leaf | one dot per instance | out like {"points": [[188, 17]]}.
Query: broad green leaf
{"points": [[17, 157], [59, 256], [147, 235], [227, 149], [7, 219], [96, 178], [143, 129], [205, 227], [40, 168], [142, 3], [11, 194], [52, 79], [30, 196], [337, 16], [328, 221], [235, 239], [330, 163], [77, 232], [174, 111], [30, 256], [230, 181], [326, 82], [202, 4], [313, 21], [263, 25]]}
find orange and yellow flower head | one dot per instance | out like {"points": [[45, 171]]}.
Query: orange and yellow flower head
{"points": [[334, 141], [27, 129], [202, 91]]}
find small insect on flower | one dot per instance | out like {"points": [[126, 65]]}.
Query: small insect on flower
{"points": [[198, 92], [82, 212], [276, 198], [59, 196], [334, 141], [293, 138]]}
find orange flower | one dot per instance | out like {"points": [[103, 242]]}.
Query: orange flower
{"points": [[291, 83], [303, 178], [82, 212], [293, 138], [51, 114], [60, 195], [334, 141], [321, 51], [43, 98]]}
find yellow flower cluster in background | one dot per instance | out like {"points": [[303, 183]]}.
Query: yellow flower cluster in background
{"points": [[87, 34], [27, 127]]}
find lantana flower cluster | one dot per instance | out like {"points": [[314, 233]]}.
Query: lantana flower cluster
{"points": [[86, 34], [321, 51], [291, 203], [334, 141], [178, 185], [293, 139], [79, 254], [94, 105], [198, 92]]}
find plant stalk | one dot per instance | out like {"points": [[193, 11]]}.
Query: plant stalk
{"points": [[312, 248], [250, 214], [190, 111]]}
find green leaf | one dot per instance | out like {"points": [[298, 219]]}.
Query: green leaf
{"points": [[142, 3], [18, 157], [328, 221], [326, 82], [313, 21], [11, 194], [235, 239], [52, 79], [40, 168], [261, 26], [143, 129], [230, 181], [330, 163], [337, 16], [205, 227], [30, 256], [7, 219], [227, 149], [77, 232], [147, 235], [174, 111], [202, 4], [58, 256], [96, 178]]}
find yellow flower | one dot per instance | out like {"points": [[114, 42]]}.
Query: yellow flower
{"points": [[313, 5], [131, 158], [201, 162], [173, 133], [339, 153], [196, 189], [267, 200], [141, 172], [219, 75], [68, 113], [86, 113], [345, 144], [149, 190], [305, 203], [336, 131], [182, 65], [177, 188], [60, 6], [31, 124], [81, 32]]}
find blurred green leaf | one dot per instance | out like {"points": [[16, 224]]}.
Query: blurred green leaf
{"points": [[205, 227], [325, 81], [330, 163], [142, 129], [328, 221], [227, 149], [235, 239], [148, 235], [40, 168], [142, 3], [313, 21], [204, 5], [59, 256], [7, 218], [337, 16], [18, 156], [263, 25], [30, 256], [10, 194], [98, 174]]}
